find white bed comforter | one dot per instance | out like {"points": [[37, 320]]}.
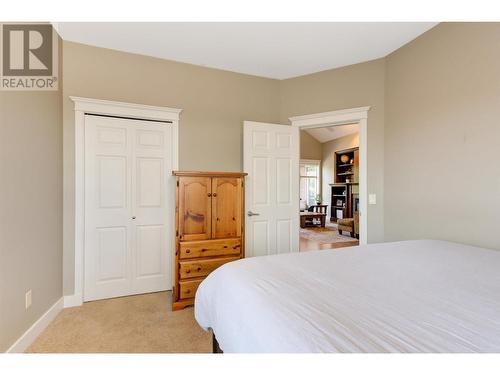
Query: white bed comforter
{"points": [[411, 296]]}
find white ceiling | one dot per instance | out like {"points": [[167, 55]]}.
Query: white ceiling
{"points": [[330, 133], [273, 50]]}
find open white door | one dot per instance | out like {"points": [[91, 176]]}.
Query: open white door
{"points": [[271, 159]]}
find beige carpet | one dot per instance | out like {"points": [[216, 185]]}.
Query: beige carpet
{"points": [[136, 324]]}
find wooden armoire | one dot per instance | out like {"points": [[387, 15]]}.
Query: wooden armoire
{"points": [[209, 228]]}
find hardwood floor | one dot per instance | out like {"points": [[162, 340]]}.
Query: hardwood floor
{"points": [[307, 245], [313, 238]]}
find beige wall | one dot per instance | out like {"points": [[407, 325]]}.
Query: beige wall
{"points": [[310, 148], [352, 86], [433, 134], [30, 208], [215, 103], [442, 132], [328, 161]]}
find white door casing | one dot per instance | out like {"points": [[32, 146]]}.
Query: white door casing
{"points": [[126, 166], [271, 159], [85, 106], [359, 116]]}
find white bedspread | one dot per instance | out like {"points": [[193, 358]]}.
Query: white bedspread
{"points": [[411, 296]]}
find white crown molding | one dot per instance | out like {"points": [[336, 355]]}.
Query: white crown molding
{"points": [[34, 331], [112, 108], [331, 118]]}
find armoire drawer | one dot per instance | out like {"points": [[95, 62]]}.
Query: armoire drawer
{"points": [[202, 267], [187, 289], [199, 249]]}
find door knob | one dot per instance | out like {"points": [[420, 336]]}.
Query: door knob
{"points": [[133, 217], [250, 213]]}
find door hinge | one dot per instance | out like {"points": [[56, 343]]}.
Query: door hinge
{"points": [[177, 183], [176, 233]]}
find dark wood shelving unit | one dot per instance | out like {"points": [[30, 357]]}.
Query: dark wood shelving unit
{"points": [[338, 201], [347, 170], [345, 190]]}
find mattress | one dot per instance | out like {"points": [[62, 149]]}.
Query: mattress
{"points": [[411, 296]]}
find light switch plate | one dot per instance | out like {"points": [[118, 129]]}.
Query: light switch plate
{"points": [[27, 299], [372, 198]]}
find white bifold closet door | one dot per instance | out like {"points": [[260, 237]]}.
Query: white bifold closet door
{"points": [[127, 163]]}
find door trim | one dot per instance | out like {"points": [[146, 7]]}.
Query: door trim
{"points": [[343, 117], [85, 106]]}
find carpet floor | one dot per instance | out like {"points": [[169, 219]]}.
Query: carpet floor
{"points": [[135, 324]]}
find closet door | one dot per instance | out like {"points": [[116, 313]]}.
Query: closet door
{"points": [[226, 207], [108, 223], [195, 198], [126, 167], [150, 170]]}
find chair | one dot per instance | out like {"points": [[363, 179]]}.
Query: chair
{"points": [[356, 224], [350, 225]]}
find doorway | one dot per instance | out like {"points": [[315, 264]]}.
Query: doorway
{"points": [[329, 187], [271, 159], [344, 193]]}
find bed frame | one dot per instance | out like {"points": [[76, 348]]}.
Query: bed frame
{"points": [[215, 346]]}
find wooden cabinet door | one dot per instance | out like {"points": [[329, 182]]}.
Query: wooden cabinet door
{"points": [[226, 207], [355, 168], [195, 208]]}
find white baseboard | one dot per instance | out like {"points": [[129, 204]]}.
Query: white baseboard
{"points": [[73, 300], [32, 333]]}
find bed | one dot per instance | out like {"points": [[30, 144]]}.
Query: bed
{"points": [[410, 296]]}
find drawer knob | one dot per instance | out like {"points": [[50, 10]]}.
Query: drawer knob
{"points": [[188, 251], [225, 246], [203, 249], [198, 269], [188, 271], [209, 194]]}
